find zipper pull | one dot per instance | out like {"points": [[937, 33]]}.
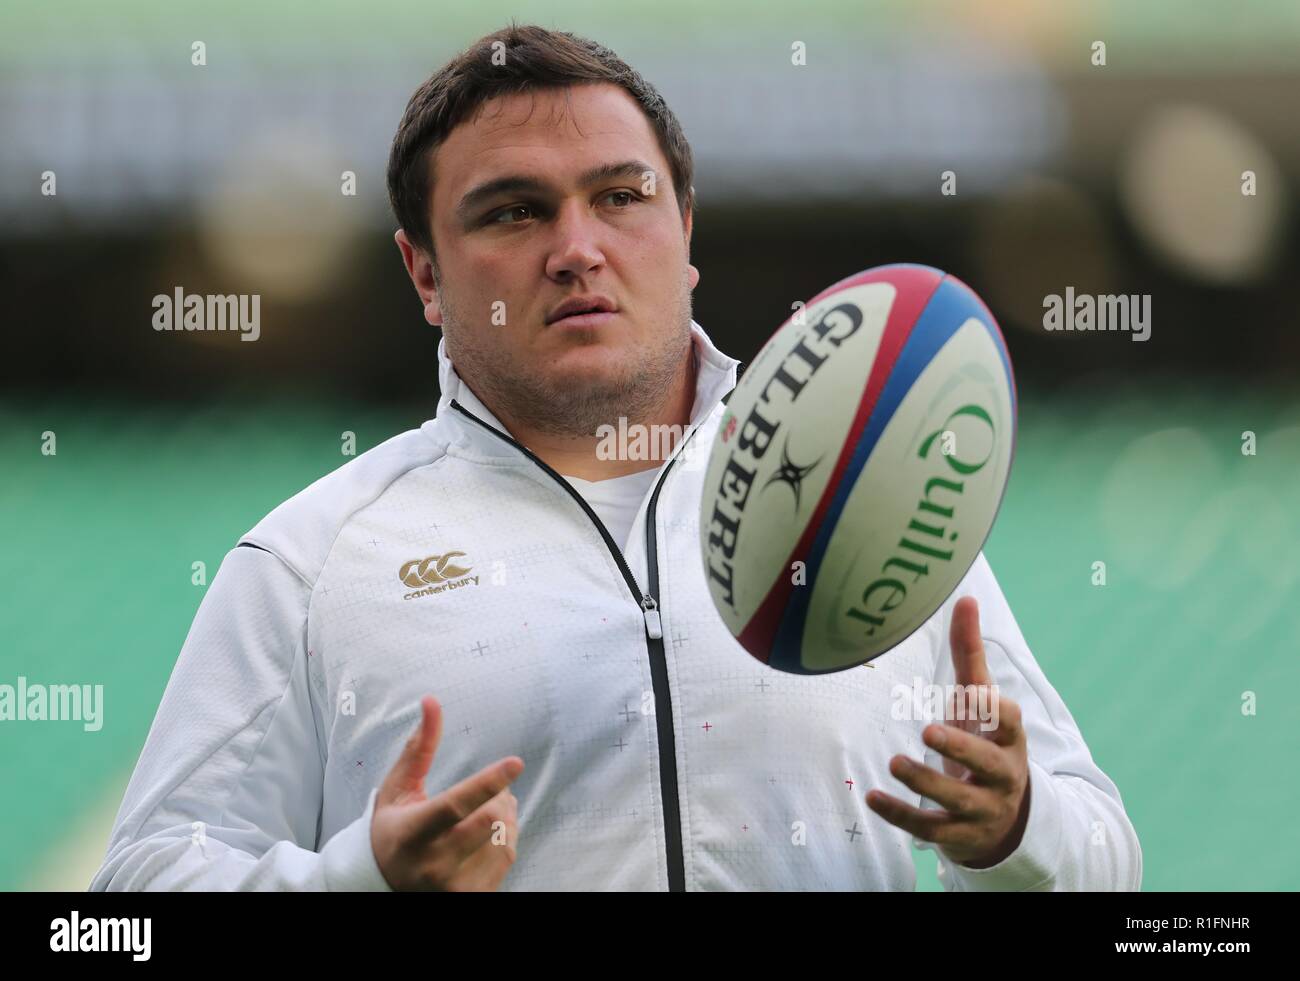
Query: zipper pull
{"points": [[652, 622]]}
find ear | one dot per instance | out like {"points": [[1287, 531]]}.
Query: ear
{"points": [[692, 273], [420, 269]]}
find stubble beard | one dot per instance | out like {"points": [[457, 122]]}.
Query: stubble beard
{"points": [[566, 407]]}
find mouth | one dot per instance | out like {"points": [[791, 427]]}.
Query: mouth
{"points": [[594, 319], [582, 311]]}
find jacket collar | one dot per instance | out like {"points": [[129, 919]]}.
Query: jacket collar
{"points": [[715, 376]]}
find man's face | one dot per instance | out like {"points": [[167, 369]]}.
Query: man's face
{"points": [[523, 219]]}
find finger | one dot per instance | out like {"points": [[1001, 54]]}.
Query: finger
{"points": [[482, 847], [1010, 730], [453, 805], [924, 823], [405, 780], [968, 659], [486, 868], [495, 824], [959, 798], [986, 761]]}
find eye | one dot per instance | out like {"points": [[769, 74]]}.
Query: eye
{"points": [[629, 195], [514, 209]]}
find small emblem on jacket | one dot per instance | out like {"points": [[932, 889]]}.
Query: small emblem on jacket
{"points": [[437, 572]]}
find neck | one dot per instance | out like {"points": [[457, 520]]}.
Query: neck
{"points": [[590, 457]]}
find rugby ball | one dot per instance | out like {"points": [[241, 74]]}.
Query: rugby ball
{"points": [[858, 468]]}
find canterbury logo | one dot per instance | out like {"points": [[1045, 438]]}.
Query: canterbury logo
{"points": [[434, 569]]}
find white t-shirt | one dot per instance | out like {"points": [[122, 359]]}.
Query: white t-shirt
{"points": [[617, 499]]}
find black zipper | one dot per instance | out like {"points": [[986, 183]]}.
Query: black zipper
{"points": [[649, 605]]}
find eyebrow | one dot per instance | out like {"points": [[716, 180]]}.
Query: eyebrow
{"points": [[523, 183]]}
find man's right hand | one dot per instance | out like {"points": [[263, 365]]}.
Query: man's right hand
{"points": [[444, 842]]}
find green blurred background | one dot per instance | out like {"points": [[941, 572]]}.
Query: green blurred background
{"points": [[1116, 178]]}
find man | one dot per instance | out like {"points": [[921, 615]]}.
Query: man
{"points": [[378, 659]]}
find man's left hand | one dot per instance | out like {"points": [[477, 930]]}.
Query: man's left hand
{"points": [[985, 783]]}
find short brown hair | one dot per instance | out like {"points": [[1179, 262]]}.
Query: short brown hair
{"points": [[536, 58]]}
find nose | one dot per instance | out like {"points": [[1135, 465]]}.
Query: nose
{"points": [[576, 252]]}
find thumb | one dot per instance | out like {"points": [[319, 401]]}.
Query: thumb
{"points": [[405, 781]]}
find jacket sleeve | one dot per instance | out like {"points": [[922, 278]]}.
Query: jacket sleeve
{"points": [[1078, 836], [227, 792]]}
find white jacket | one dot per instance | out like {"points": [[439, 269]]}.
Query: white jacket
{"points": [[658, 753]]}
